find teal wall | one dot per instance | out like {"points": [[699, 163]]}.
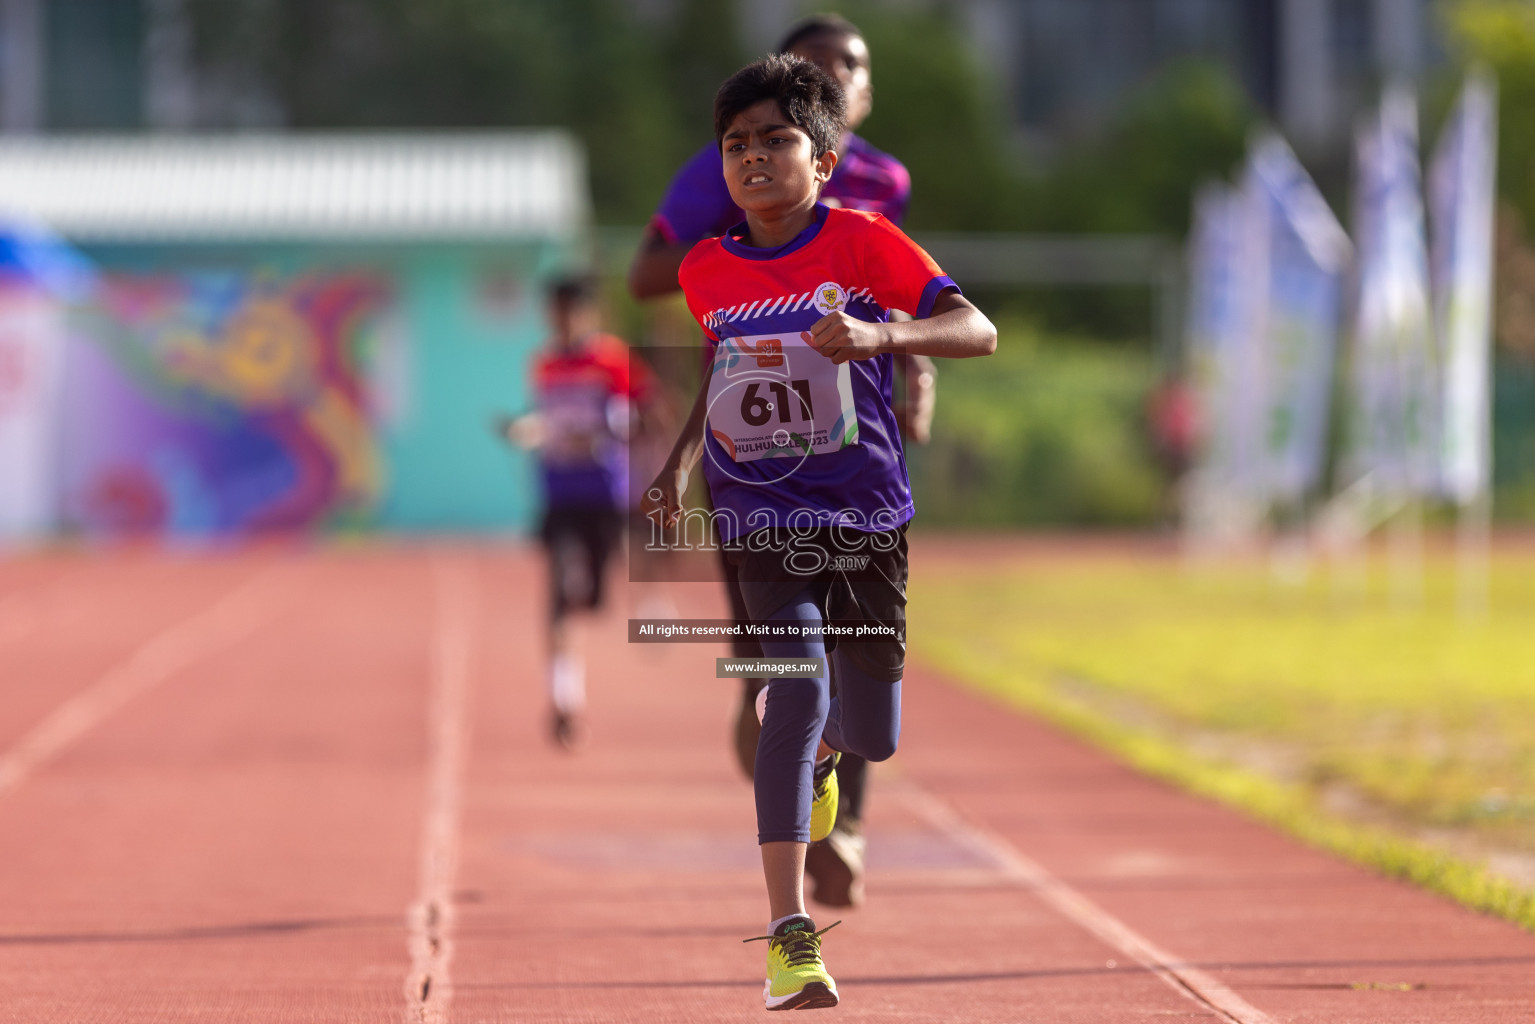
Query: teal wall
{"points": [[467, 361]]}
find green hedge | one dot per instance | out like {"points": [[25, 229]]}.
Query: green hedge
{"points": [[1048, 431]]}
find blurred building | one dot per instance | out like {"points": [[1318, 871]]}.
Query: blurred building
{"points": [[290, 330], [1067, 64], [116, 65], [299, 331]]}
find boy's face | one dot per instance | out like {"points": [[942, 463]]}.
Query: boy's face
{"points": [[571, 321], [770, 164], [844, 57]]}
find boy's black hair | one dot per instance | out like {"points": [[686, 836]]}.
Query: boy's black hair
{"points": [[814, 25], [573, 290], [809, 97]]}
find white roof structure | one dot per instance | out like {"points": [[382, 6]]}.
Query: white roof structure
{"points": [[416, 186]]}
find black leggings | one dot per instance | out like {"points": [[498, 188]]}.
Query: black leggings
{"points": [[863, 719], [579, 541]]}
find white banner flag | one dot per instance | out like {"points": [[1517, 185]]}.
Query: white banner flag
{"points": [[1301, 254], [1392, 433], [31, 351], [1462, 190]]}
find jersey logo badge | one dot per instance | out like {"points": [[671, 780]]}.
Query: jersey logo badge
{"points": [[768, 353], [829, 298]]}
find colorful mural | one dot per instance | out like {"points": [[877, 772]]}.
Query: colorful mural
{"points": [[219, 403]]}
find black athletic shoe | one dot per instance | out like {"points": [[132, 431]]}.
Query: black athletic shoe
{"points": [[835, 867], [566, 730]]}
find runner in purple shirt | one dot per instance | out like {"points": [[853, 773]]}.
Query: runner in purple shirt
{"points": [[698, 206]]}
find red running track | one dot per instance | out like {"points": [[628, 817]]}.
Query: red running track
{"points": [[298, 785]]}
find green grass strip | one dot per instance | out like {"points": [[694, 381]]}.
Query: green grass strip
{"points": [[1289, 807]]}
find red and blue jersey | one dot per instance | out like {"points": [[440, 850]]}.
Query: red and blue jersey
{"points": [[698, 203], [756, 306], [584, 397]]}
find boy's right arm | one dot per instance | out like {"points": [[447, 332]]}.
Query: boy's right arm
{"points": [[914, 409], [654, 270], [697, 205], [663, 497]]}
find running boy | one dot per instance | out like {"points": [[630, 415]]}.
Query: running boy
{"points": [[587, 397], [698, 205], [803, 457]]}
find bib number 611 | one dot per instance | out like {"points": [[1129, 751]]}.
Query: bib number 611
{"points": [[757, 409]]}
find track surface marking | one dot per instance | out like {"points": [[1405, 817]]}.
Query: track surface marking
{"points": [[239, 842], [232, 834], [1188, 981], [168, 653], [429, 986]]}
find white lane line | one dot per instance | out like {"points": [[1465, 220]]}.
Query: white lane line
{"points": [[429, 986], [234, 617], [1187, 981]]}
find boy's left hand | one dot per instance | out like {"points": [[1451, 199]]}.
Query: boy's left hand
{"points": [[841, 338]]}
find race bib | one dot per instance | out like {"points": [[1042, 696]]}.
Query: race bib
{"points": [[773, 396]]}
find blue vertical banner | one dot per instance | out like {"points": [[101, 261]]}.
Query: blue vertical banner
{"points": [[1392, 433], [1217, 334], [42, 281], [1462, 190], [1302, 256]]}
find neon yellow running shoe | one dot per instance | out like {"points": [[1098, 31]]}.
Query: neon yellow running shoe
{"points": [[823, 806], [796, 976]]}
